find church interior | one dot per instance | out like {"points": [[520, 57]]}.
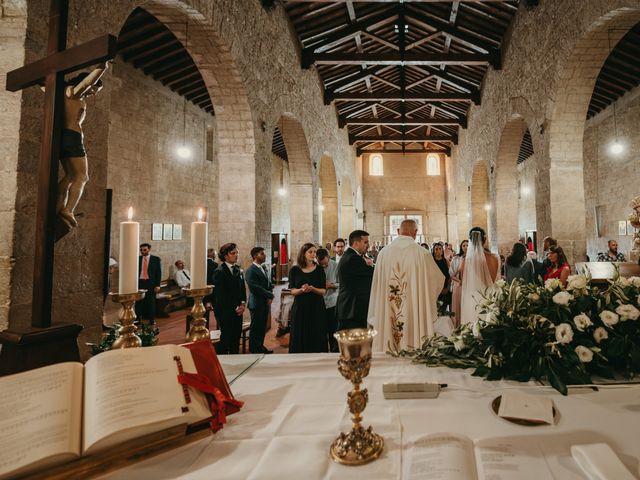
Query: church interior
{"points": [[299, 121]]}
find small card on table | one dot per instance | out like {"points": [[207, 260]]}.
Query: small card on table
{"points": [[532, 408]]}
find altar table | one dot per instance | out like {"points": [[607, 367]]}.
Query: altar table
{"points": [[295, 405]]}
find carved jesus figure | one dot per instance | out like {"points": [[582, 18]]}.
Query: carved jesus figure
{"points": [[72, 153]]}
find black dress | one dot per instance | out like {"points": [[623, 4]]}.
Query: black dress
{"points": [[308, 322]]}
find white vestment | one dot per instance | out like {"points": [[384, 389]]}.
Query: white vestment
{"points": [[404, 295]]}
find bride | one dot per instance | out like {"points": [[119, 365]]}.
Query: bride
{"points": [[479, 271]]}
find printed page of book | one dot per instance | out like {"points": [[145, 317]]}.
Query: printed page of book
{"points": [[511, 459], [134, 392], [440, 456], [40, 419]]}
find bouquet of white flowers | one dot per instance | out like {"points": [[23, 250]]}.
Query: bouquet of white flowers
{"points": [[548, 332]]}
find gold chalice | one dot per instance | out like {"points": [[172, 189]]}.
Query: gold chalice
{"points": [[360, 445]]}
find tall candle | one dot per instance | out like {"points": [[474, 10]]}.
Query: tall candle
{"points": [[199, 252], [129, 238]]}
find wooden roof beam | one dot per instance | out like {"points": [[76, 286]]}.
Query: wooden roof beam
{"points": [[399, 97], [388, 138], [406, 59], [343, 121], [445, 151]]}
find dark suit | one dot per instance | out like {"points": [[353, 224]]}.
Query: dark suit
{"points": [[354, 276], [259, 292], [229, 294], [146, 308], [211, 270]]}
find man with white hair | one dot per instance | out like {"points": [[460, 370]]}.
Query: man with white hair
{"points": [[404, 293]]}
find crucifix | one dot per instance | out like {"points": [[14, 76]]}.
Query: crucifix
{"points": [[44, 344]]}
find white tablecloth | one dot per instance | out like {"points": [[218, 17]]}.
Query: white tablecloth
{"points": [[296, 404]]}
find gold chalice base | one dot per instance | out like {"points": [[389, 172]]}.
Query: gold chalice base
{"points": [[357, 447]]}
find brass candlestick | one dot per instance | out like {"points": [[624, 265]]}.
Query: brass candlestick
{"points": [[127, 337], [359, 446], [198, 329]]}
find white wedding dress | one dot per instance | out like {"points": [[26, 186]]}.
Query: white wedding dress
{"points": [[476, 278]]}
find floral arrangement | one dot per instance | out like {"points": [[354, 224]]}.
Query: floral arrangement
{"points": [[563, 335], [147, 333]]}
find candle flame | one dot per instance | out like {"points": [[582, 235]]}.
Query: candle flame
{"points": [[130, 213], [200, 215]]}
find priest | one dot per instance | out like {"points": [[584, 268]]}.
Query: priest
{"points": [[404, 293]]}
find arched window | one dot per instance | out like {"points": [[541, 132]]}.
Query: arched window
{"points": [[375, 165], [433, 165]]}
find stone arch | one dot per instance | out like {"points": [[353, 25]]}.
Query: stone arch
{"points": [[235, 216], [505, 188], [347, 209], [300, 181], [562, 182], [479, 197], [328, 200]]}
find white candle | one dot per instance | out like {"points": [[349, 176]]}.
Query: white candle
{"points": [[199, 252], [128, 260]]}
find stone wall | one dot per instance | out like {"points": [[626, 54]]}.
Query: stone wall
{"points": [[405, 186], [551, 58], [146, 128], [280, 204], [527, 195], [13, 23], [611, 181]]}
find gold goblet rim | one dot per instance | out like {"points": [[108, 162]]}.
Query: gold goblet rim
{"points": [[355, 335]]}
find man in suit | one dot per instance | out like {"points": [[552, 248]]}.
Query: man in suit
{"points": [[338, 248], [355, 273], [211, 270], [230, 299], [260, 298], [149, 279]]}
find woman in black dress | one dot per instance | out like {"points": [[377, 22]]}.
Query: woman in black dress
{"points": [[307, 282]]}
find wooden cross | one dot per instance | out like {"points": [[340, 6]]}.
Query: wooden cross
{"points": [[51, 69]]}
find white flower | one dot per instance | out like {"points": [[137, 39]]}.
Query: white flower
{"points": [[582, 321], [534, 297], [628, 312], [501, 283], [577, 282], [552, 284], [623, 282], [600, 334], [635, 281], [458, 344], [562, 298], [609, 318], [584, 354], [476, 329], [564, 334]]}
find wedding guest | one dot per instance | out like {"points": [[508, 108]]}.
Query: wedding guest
{"points": [[338, 249], [260, 298], [331, 295], [328, 247], [456, 281], [612, 254], [559, 266], [307, 282], [529, 244], [547, 243], [518, 265], [182, 276], [539, 269], [443, 265], [448, 252], [355, 274], [230, 299], [425, 246], [209, 300], [150, 269]]}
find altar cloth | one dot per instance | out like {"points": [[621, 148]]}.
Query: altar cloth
{"points": [[295, 405]]}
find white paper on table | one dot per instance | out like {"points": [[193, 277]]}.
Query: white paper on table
{"points": [[521, 406], [599, 462]]}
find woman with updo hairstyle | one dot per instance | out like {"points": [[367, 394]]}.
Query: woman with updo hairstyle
{"points": [[307, 282]]}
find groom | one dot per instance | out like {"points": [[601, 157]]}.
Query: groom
{"points": [[404, 293]]}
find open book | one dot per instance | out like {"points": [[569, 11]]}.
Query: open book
{"points": [[446, 456], [60, 412]]}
